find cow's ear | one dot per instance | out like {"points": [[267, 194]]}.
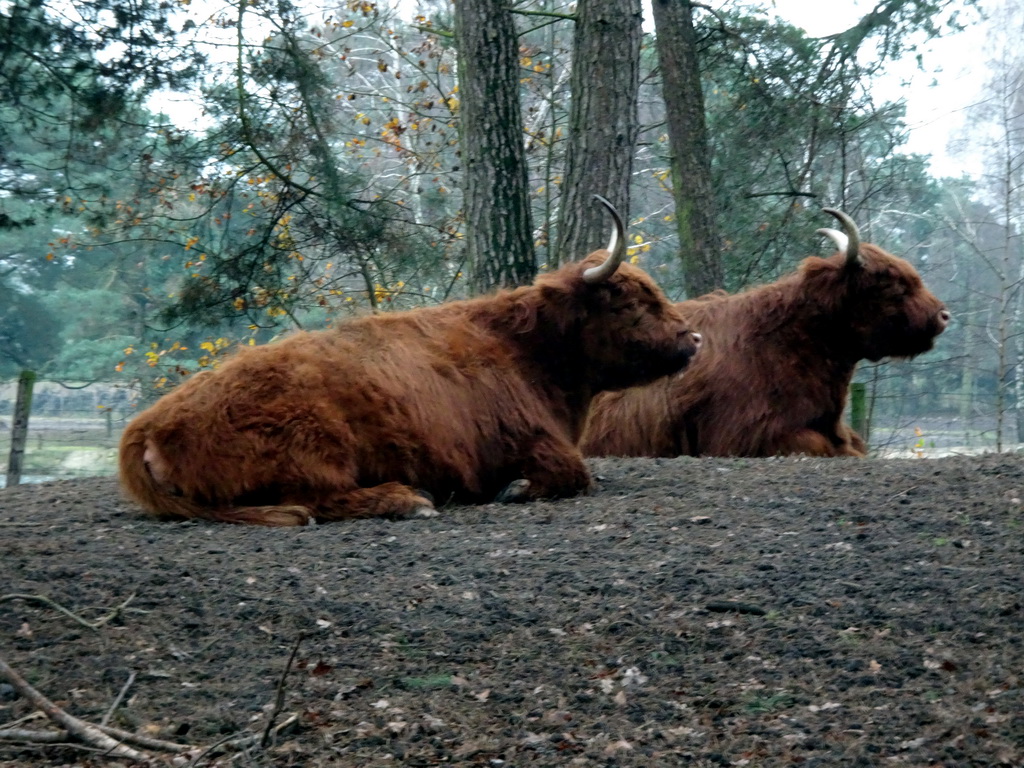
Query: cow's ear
{"points": [[614, 288], [815, 269], [603, 291], [525, 317]]}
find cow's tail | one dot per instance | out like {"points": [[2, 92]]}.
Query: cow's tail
{"points": [[164, 500]]}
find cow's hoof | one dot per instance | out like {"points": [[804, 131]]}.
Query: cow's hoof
{"points": [[515, 492], [420, 506], [292, 515]]}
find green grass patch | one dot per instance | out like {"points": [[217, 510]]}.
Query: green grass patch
{"points": [[430, 681], [767, 704]]}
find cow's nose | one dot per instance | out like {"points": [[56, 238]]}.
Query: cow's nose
{"points": [[944, 318]]}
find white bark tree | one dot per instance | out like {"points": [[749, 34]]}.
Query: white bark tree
{"points": [[999, 120]]}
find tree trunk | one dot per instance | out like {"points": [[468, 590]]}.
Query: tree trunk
{"points": [[968, 362], [499, 235], [699, 249], [603, 123], [19, 427]]}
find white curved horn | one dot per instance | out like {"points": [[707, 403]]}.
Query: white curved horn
{"points": [[835, 236], [852, 237], [616, 248]]}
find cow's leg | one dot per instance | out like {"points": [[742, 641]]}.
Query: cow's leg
{"points": [[275, 516], [553, 468], [807, 442], [387, 500], [853, 444], [810, 442]]}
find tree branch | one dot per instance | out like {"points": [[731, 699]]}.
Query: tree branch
{"points": [[80, 729], [58, 607]]}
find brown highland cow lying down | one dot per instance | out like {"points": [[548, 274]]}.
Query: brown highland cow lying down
{"points": [[465, 401], [777, 360]]}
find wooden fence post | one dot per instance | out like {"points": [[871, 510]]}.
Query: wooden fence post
{"points": [[859, 410], [19, 428]]}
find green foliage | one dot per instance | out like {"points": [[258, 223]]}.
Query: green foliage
{"points": [[29, 334], [84, 359], [792, 131], [53, 49]]}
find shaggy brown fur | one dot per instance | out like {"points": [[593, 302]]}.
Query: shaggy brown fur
{"points": [[458, 400], [773, 374]]}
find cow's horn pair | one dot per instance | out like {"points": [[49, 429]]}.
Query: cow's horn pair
{"points": [[849, 242], [616, 247]]}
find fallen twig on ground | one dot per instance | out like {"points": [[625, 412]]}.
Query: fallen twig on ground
{"points": [[119, 699], [55, 737], [81, 730], [21, 720], [244, 742], [114, 613], [71, 614], [33, 737], [148, 742], [115, 742], [279, 698], [901, 493]]}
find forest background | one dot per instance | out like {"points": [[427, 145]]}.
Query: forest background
{"points": [[181, 176]]}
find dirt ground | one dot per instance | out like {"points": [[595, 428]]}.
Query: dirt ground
{"points": [[692, 612]]}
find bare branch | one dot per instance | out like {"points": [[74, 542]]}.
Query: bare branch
{"points": [[119, 699], [58, 607], [80, 729], [279, 699]]}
